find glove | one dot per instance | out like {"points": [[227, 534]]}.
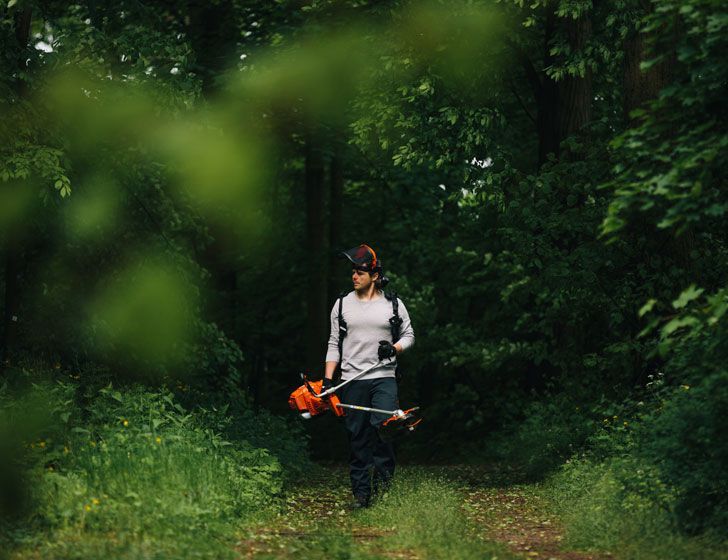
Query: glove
{"points": [[327, 384], [386, 350]]}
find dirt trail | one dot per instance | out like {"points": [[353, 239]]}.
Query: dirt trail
{"points": [[519, 520], [509, 514], [319, 509], [514, 515]]}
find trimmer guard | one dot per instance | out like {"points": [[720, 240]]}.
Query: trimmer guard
{"points": [[400, 424]]}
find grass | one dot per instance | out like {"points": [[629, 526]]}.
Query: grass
{"points": [[423, 513], [600, 512], [422, 516], [130, 473]]}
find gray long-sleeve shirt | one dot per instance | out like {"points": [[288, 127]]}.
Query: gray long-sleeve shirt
{"points": [[367, 323]]}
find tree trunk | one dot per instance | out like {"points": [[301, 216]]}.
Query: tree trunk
{"points": [[214, 37], [639, 85], [639, 88], [575, 92], [13, 239], [547, 101], [336, 198], [563, 108], [13, 262], [315, 284]]}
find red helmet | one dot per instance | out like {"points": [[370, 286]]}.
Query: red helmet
{"points": [[363, 258]]}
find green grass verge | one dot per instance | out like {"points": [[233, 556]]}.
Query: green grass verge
{"points": [[601, 511]]}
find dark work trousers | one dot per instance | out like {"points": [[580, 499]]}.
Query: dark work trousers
{"points": [[366, 447]]}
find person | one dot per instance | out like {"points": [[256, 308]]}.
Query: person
{"points": [[371, 320]]}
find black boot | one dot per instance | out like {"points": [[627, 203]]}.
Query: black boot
{"points": [[381, 486], [360, 502]]}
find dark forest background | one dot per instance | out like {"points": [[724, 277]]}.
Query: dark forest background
{"points": [[544, 182]]}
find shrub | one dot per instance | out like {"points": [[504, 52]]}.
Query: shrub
{"points": [[232, 414], [622, 504], [133, 469], [651, 474], [551, 432], [685, 439], [154, 462]]}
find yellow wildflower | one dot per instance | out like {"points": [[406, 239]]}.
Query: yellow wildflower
{"points": [[95, 501], [685, 387], [158, 439], [87, 507], [66, 451], [615, 417], [125, 422], [626, 424], [41, 444]]}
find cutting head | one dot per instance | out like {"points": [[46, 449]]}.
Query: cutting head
{"points": [[400, 424]]}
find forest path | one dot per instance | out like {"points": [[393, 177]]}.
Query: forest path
{"points": [[316, 522], [515, 515], [495, 519]]}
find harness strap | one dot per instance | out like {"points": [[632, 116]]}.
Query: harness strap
{"points": [[343, 331], [395, 321]]}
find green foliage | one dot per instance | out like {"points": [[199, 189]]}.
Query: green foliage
{"points": [[553, 430], [683, 439], [134, 463], [669, 165], [623, 504], [651, 473], [546, 289], [619, 505]]}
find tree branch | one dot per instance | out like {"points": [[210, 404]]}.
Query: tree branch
{"points": [[529, 69]]}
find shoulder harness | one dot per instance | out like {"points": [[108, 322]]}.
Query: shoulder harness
{"points": [[395, 321]]}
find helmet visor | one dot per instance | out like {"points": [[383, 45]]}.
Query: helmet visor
{"points": [[362, 257]]}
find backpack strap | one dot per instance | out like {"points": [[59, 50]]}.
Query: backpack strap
{"points": [[395, 321], [343, 331]]}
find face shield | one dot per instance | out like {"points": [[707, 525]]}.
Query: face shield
{"points": [[363, 258]]}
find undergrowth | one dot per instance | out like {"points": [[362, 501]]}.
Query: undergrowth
{"points": [[650, 481], [622, 505], [129, 472]]}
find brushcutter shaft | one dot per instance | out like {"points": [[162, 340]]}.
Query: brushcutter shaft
{"points": [[367, 409], [340, 385]]}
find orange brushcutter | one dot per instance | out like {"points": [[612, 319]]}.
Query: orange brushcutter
{"points": [[310, 401]]}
